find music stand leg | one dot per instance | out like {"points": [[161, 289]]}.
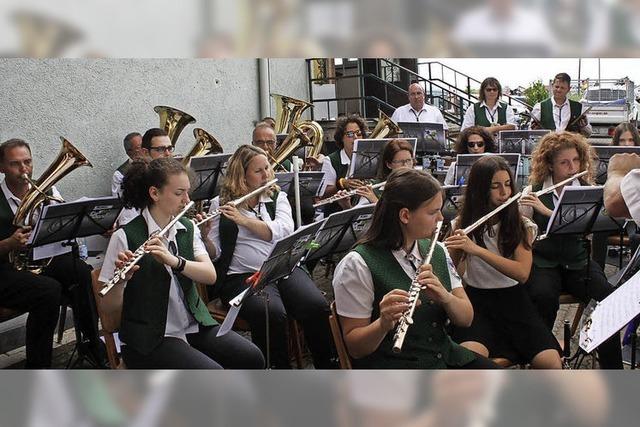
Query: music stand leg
{"points": [[634, 341], [267, 334]]}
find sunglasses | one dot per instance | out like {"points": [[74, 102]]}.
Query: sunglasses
{"points": [[352, 133], [479, 144], [491, 89]]}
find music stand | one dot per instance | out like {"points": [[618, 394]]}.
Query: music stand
{"points": [[340, 231], [519, 141], [310, 183], [465, 161], [207, 170], [452, 201], [604, 155], [429, 136], [65, 222], [367, 154]]}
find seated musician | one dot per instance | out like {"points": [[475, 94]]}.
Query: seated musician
{"points": [[133, 147], [371, 284], [240, 240], [165, 324], [472, 140], [560, 262], [39, 294], [495, 260], [489, 113], [264, 137]]}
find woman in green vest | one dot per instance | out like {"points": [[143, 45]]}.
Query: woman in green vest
{"points": [[495, 261], [489, 112], [371, 283], [165, 324]]}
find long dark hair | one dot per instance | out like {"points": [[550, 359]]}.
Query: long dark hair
{"points": [[405, 188], [462, 146], [144, 174], [476, 205], [388, 153], [622, 128]]}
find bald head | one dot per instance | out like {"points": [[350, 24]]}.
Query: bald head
{"points": [[416, 96]]}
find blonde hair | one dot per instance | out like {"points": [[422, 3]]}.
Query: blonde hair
{"points": [[235, 185], [550, 145]]}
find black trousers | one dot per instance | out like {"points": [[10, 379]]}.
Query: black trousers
{"points": [[298, 297], [202, 351], [545, 285]]}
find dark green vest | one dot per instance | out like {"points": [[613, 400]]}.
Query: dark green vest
{"points": [[146, 296], [546, 114], [123, 168], [481, 116], [567, 251], [336, 162], [427, 344]]}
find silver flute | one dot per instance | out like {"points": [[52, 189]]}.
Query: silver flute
{"points": [[217, 212], [121, 273], [488, 216], [349, 193], [528, 189], [414, 292]]}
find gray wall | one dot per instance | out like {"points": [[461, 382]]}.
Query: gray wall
{"points": [[95, 102]]}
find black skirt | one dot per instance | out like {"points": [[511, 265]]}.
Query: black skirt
{"points": [[507, 323]]}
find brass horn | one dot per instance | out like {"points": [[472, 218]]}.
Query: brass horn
{"points": [[385, 128], [288, 111], [302, 134], [69, 158], [205, 144], [173, 121]]}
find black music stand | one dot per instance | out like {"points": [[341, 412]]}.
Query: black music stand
{"points": [[367, 154], [65, 222], [430, 137], [465, 161], [519, 141], [310, 183], [604, 155], [452, 201], [340, 232], [285, 256], [207, 170]]}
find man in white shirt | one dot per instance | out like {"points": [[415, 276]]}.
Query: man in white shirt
{"points": [[133, 147], [416, 110]]}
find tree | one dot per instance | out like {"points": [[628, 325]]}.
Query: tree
{"points": [[536, 92]]}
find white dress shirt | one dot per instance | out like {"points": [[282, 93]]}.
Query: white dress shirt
{"points": [[630, 189], [179, 320], [428, 114], [353, 283], [490, 113], [561, 115], [330, 174], [127, 214], [251, 251]]}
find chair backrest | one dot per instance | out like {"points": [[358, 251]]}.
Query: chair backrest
{"points": [[8, 314], [338, 339], [109, 309]]}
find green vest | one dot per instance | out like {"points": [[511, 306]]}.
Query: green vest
{"points": [[123, 168], [427, 344], [481, 116], [146, 296], [546, 114], [567, 251], [336, 162]]}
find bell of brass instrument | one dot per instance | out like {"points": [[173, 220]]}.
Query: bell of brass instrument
{"points": [[205, 144], [44, 36], [288, 111], [173, 121], [385, 128], [69, 158], [306, 133]]}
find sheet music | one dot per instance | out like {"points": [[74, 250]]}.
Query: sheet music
{"points": [[611, 314], [232, 314]]}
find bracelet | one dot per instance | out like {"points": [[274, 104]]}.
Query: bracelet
{"points": [[181, 265]]}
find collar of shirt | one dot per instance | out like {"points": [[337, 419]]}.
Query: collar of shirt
{"points": [[492, 110], [10, 197], [418, 112], [414, 256], [344, 159], [152, 226], [549, 182], [553, 102]]}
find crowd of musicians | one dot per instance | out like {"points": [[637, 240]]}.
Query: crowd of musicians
{"points": [[490, 293]]}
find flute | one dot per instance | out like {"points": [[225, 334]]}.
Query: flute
{"points": [[217, 212], [121, 273], [547, 190], [349, 193], [485, 218], [414, 292]]}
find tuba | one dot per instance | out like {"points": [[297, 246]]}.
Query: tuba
{"points": [[173, 121], [205, 144], [385, 128], [69, 158], [288, 111], [303, 134]]}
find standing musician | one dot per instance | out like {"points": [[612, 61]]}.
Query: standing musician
{"points": [[560, 262], [472, 140], [495, 261], [489, 112], [558, 112], [417, 110], [39, 294], [165, 324], [371, 283], [241, 239]]}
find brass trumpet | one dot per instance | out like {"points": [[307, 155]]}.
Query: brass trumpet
{"points": [[385, 128]]}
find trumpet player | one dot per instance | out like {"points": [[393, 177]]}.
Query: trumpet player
{"points": [[495, 261], [560, 262], [371, 284], [40, 294], [133, 147], [264, 137], [165, 324]]}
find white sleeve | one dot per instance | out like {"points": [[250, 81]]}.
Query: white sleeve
{"points": [[396, 115], [353, 287], [282, 225], [454, 277], [535, 112], [214, 231], [116, 183], [511, 117], [330, 174], [469, 118], [451, 174], [198, 244], [630, 189], [117, 244]]}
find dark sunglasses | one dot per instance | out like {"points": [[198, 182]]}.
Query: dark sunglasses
{"points": [[479, 144]]}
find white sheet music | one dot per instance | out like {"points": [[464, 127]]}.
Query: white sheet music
{"points": [[611, 314], [232, 314]]}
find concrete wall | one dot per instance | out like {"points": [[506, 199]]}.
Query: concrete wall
{"points": [[95, 102]]}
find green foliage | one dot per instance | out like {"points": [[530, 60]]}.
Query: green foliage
{"points": [[536, 92]]}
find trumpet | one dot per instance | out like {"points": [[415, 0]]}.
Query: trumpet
{"points": [[527, 190], [236, 202], [414, 291], [349, 193], [121, 273]]}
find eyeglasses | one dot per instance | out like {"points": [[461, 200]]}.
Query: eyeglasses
{"points": [[352, 133], [163, 148], [259, 142], [405, 162], [478, 144], [491, 89]]}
